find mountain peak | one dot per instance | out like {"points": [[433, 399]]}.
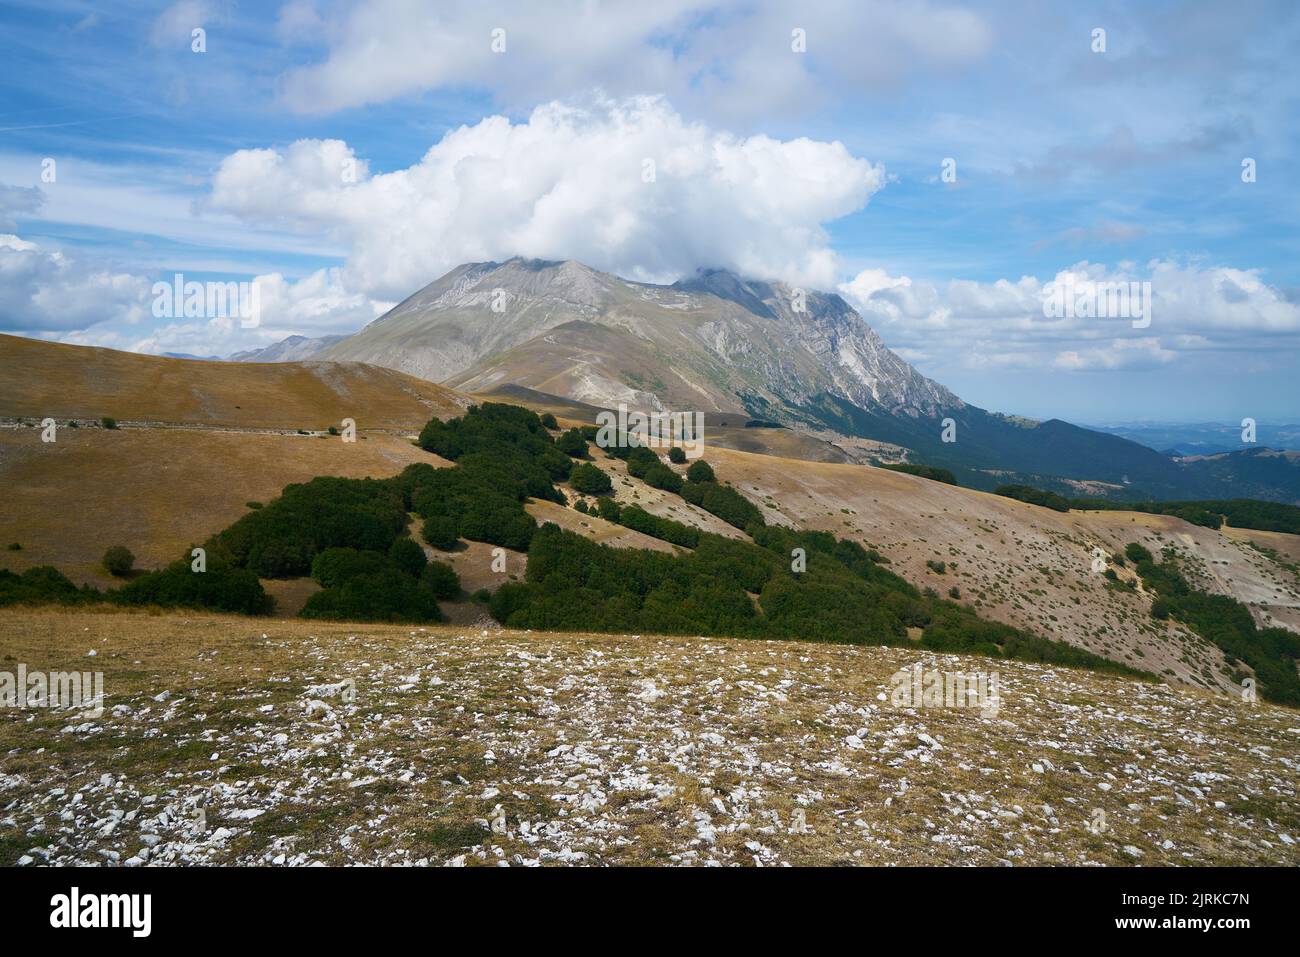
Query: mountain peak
{"points": [[725, 284]]}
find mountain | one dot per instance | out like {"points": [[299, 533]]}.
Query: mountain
{"points": [[1208, 438], [714, 343], [718, 342], [292, 349]]}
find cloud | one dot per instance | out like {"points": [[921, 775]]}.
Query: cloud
{"points": [[727, 53], [16, 201], [172, 27], [1194, 308], [623, 185], [315, 305], [1120, 354], [44, 291]]}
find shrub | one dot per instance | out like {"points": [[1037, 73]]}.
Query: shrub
{"points": [[220, 588], [581, 506], [1034, 496], [641, 460], [939, 568], [700, 471], [548, 421], [385, 595], [572, 444], [661, 476], [932, 472], [108, 423], [119, 561], [637, 518], [253, 504], [39, 585], [407, 555], [677, 455], [440, 532], [509, 527], [442, 578], [954, 592], [589, 480], [724, 502], [1136, 553], [280, 539], [608, 509], [15, 546], [336, 565]]}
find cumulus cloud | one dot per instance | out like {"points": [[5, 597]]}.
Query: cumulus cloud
{"points": [[44, 291], [623, 185], [316, 305], [1003, 324]]}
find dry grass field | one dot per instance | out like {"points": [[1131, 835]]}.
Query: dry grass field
{"points": [[39, 379], [306, 742], [158, 491]]}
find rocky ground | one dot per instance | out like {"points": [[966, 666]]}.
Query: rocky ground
{"points": [[241, 741]]}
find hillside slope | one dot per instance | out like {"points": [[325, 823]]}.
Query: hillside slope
{"points": [[1026, 565], [39, 379], [459, 747], [196, 441]]}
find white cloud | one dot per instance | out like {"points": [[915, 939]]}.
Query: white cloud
{"points": [[569, 183], [1001, 324], [172, 27], [44, 291], [730, 56], [1121, 354]]}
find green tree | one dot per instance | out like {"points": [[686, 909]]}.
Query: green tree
{"points": [[589, 480], [572, 444], [119, 561], [407, 555], [677, 455], [442, 578], [700, 471], [440, 532], [661, 476]]}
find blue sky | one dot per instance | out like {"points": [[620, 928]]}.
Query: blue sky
{"points": [[821, 167]]}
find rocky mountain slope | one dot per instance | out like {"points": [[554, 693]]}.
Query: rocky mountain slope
{"points": [[230, 741], [720, 343], [292, 349], [715, 342]]}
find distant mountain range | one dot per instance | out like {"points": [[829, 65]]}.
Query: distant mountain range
{"points": [[721, 343], [292, 349], [1207, 438]]}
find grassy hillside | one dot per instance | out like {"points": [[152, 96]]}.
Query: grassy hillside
{"points": [[39, 379]]}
